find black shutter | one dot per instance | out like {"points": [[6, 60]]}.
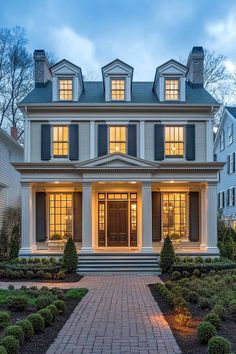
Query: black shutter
{"points": [[45, 142], [233, 192], [194, 216], [159, 142], [227, 197], [233, 161], [40, 216], [74, 142], [77, 236], [218, 200], [190, 142], [223, 199], [102, 139], [132, 139], [156, 216], [228, 164]]}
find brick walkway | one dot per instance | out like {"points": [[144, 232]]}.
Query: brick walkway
{"points": [[118, 315]]}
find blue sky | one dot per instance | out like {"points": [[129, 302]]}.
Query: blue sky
{"points": [[143, 33]]}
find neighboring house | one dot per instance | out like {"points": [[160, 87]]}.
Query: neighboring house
{"points": [[119, 164], [225, 149], [10, 151]]}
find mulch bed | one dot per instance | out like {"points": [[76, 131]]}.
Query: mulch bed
{"points": [[186, 336], [69, 278]]}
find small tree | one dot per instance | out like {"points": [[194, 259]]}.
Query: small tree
{"points": [[70, 257], [15, 242], [4, 241], [167, 255]]}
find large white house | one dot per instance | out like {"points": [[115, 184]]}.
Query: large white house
{"points": [[119, 164]]}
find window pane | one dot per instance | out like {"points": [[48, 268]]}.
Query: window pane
{"points": [[60, 205], [174, 141], [60, 141], [171, 89], [117, 139], [65, 89], [118, 90]]}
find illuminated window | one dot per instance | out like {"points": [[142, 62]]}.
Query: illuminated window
{"points": [[133, 216], [174, 215], [66, 89], [118, 90], [123, 196], [101, 216], [171, 89], [60, 141], [174, 141], [117, 139], [60, 215]]}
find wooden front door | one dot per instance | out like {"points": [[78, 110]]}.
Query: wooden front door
{"points": [[117, 223]]}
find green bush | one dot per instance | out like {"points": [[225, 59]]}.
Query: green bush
{"points": [[219, 345], [60, 305], [27, 328], [44, 300], [53, 309], [167, 258], [59, 293], [205, 331], [213, 319], [176, 275], [11, 344], [15, 331], [76, 293], [199, 259], [17, 302], [37, 321], [15, 242], [47, 275], [47, 315], [232, 307], [219, 311], [203, 303], [197, 273], [70, 257], [193, 297], [4, 318], [226, 247], [60, 275], [2, 350]]}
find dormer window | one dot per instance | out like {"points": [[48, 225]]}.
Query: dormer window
{"points": [[171, 89], [117, 89], [65, 89]]}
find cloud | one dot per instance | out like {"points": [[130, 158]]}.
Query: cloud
{"points": [[230, 66], [78, 49]]}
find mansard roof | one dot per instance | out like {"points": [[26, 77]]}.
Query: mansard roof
{"points": [[232, 110], [142, 93]]}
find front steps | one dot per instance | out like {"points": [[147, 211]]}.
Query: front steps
{"points": [[119, 263]]}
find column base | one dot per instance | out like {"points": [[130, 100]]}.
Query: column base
{"points": [[203, 247], [147, 249], [86, 250], [25, 251], [214, 250]]}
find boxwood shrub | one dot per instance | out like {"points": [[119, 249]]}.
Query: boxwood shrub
{"points": [[17, 302], [53, 309], [4, 318], [27, 328], [205, 331], [11, 344], [213, 319], [219, 345], [60, 305], [47, 315], [15, 331], [37, 321], [2, 350]]}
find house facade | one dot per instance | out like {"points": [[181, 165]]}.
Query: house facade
{"points": [[10, 151], [224, 150], [119, 164]]}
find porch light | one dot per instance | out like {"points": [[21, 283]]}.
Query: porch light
{"points": [[56, 182], [172, 181], [133, 182]]}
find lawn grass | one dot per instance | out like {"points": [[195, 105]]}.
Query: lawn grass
{"points": [[6, 293]]}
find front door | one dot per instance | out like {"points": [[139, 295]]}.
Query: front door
{"points": [[117, 223]]}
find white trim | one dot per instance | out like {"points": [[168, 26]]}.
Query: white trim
{"points": [[142, 139], [92, 140]]}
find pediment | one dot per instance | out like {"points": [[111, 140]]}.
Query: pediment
{"points": [[116, 161], [65, 67], [172, 67], [117, 66]]}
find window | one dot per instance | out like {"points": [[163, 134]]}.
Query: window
{"points": [[171, 89], [230, 134], [222, 140], [231, 163], [133, 216], [101, 216], [60, 216], [118, 90], [174, 141], [230, 196], [60, 141], [174, 215], [65, 89], [117, 139], [222, 200]]}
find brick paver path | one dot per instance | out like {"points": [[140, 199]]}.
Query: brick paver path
{"points": [[118, 315]]}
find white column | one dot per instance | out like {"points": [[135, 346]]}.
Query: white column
{"points": [[204, 220], [209, 145], [86, 217], [92, 140], [212, 218], [142, 139], [26, 220], [146, 217]]}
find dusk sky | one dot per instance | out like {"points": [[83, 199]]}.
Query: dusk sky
{"points": [[142, 33]]}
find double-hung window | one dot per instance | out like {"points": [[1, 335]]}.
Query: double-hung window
{"points": [[60, 216], [171, 89], [230, 134], [60, 144], [117, 139], [230, 196], [174, 141], [222, 199], [117, 89], [65, 89], [222, 140], [231, 163]]}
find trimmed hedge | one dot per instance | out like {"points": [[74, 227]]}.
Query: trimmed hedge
{"points": [[11, 344], [202, 267], [27, 328], [219, 345], [37, 321], [205, 331], [16, 331]]}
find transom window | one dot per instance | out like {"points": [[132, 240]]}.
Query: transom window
{"points": [[118, 89], [66, 89], [174, 215], [171, 89], [60, 216], [174, 141], [60, 141], [117, 139]]}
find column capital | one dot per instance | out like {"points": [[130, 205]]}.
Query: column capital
{"points": [[25, 184], [146, 184], [86, 184]]}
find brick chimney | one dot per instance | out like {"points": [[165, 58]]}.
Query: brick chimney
{"points": [[14, 133], [195, 64], [42, 72]]}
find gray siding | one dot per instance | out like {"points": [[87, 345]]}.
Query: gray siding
{"points": [[84, 141], [9, 180]]}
